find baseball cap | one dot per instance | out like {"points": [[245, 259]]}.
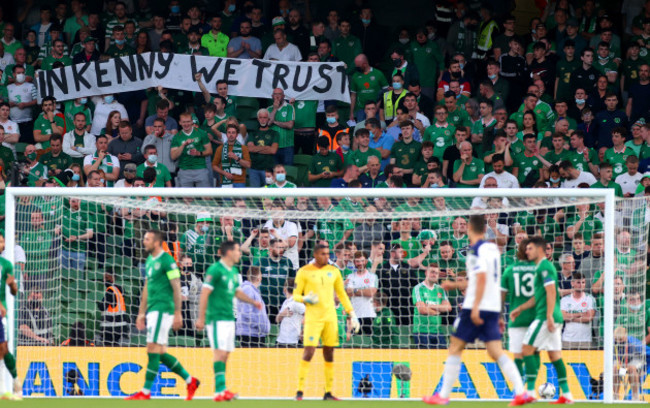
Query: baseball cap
{"points": [[89, 39], [203, 216], [130, 168], [426, 235], [277, 21]]}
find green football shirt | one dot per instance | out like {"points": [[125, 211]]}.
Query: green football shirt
{"points": [[6, 270], [43, 124], [199, 140], [161, 270], [305, 114], [582, 164], [62, 161], [470, 172], [430, 296], [618, 160], [319, 164], [526, 164], [286, 113], [406, 155], [274, 274], [441, 136], [359, 158], [224, 282], [368, 87], [518, 282], [545, 275], [263, 138], [162, 173]]}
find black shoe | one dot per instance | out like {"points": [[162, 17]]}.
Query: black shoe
{"points": [[299, 396], [329, 397]]}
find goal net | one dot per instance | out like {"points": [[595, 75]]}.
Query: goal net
{"points": [[79, 261]]}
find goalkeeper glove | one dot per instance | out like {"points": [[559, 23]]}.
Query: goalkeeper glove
{"points": [[311, 298], [354, 320]]}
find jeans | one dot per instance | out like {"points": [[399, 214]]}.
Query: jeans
{"points": [[284, 156], [256, 178], [73, 260], [430, 340], [194, 178], [239, 185], [359, 115]]}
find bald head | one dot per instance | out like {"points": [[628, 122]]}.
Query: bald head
{"points": [[361, 61]]}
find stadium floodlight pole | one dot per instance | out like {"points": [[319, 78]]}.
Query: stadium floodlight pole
{"points": [[608, 341]]}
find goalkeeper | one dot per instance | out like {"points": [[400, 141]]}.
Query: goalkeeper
{"points": [[315, 286], [7, 278]]}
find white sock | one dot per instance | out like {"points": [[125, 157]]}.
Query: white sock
{"points": [[568, 395], [146, 391], [510, 371], [450, 375], [188, 379]]}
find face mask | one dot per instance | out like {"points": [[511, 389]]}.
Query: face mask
{"points": [[231, 8], [129, 180], [636, 308], [359, 69], [20, 78], [31, 156], [455, 74], [152, 158], [205, 228], [552, 180], [580, 101], [280, 177], [431, 36], [345, 148], [603, 58], [176, 9], [397, 85], [76, 177], [269, 180], [397, 62], [462, 66], [365, 20], [331, 120], [403, 40], [101, 180], [120, 42], [434, 185], [493, 76], [109, 98], [83, 101]]}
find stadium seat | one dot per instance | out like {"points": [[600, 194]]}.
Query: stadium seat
{"points": [[248, 102], [138, 340], [292, 173], [302, 160], [205, 342], [182, 341], [361, 341]]}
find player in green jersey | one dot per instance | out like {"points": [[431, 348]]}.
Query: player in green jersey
{"points": [[7, 278], [545, 333], [517, 288], [216, 313], [160, 311]]}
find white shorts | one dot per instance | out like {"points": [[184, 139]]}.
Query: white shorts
{"points": [[221, 335], [539, 337], [158, 326], [516, 339]]}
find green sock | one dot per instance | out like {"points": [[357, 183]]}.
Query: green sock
{"points": [[10, 363], [152, 370], [560, 368], [531, 372], [538, 360], [519, 362], [177, 368], [219, 376]]}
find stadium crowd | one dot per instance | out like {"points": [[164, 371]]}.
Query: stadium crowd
{"points": [[460, 102]]}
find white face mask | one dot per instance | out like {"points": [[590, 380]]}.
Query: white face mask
{"points": [[269, 180], [20, 78]]}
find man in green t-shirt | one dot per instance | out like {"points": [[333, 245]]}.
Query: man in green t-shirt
{"points": [[282, 119], [367, 84], [545, 333], [406, 153], [75, 231], [527, 164], [160, 311], [262, 145], [55, 160], [216, 313], [191, 147], [275, 269], [346, 46], [384, 326], [605, 180], [468, 170], [430, 301], [48, 123], [516, 289], [440, 133], [325, 165], [359, 156], [617, 154], [163, 177]]}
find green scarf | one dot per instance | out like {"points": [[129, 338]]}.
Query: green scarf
{"points": [[227, 163]]}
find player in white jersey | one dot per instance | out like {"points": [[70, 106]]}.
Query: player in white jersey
{"points": [[480, 316]]}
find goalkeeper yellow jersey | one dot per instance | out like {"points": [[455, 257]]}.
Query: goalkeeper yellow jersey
{"points": [[323, 282]]}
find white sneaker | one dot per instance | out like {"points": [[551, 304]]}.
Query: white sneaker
{"points": [[18, 388]]}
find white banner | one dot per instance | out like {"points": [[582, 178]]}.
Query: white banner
{"points": [[254, 78]]}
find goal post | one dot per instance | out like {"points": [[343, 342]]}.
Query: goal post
{"points": [[185, 203]]}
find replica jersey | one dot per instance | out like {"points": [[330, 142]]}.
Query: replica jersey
{"points": [[545, 275], [323, 282], [160, 271], [6, 270], [224, 282], [518, 281], [483, 257]]}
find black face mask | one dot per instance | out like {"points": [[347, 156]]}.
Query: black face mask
{"points": [[129, 180], [172, 237], [455, 74], [397, 62], [359, 69]]}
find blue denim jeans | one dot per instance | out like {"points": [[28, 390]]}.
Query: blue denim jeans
{"points": [[256, 178], [73, 260], [430, 341], [284, 156]]}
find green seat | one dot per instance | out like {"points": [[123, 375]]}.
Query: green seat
{"points": [[73, 274], [361, 341], [95, 275], [138, 340], [82, 306], [251, 124], [248, 102], [95, 296], [20, 147], [205, 342], [302, 160], [182, 341], [69, 318], [292, 173]]}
